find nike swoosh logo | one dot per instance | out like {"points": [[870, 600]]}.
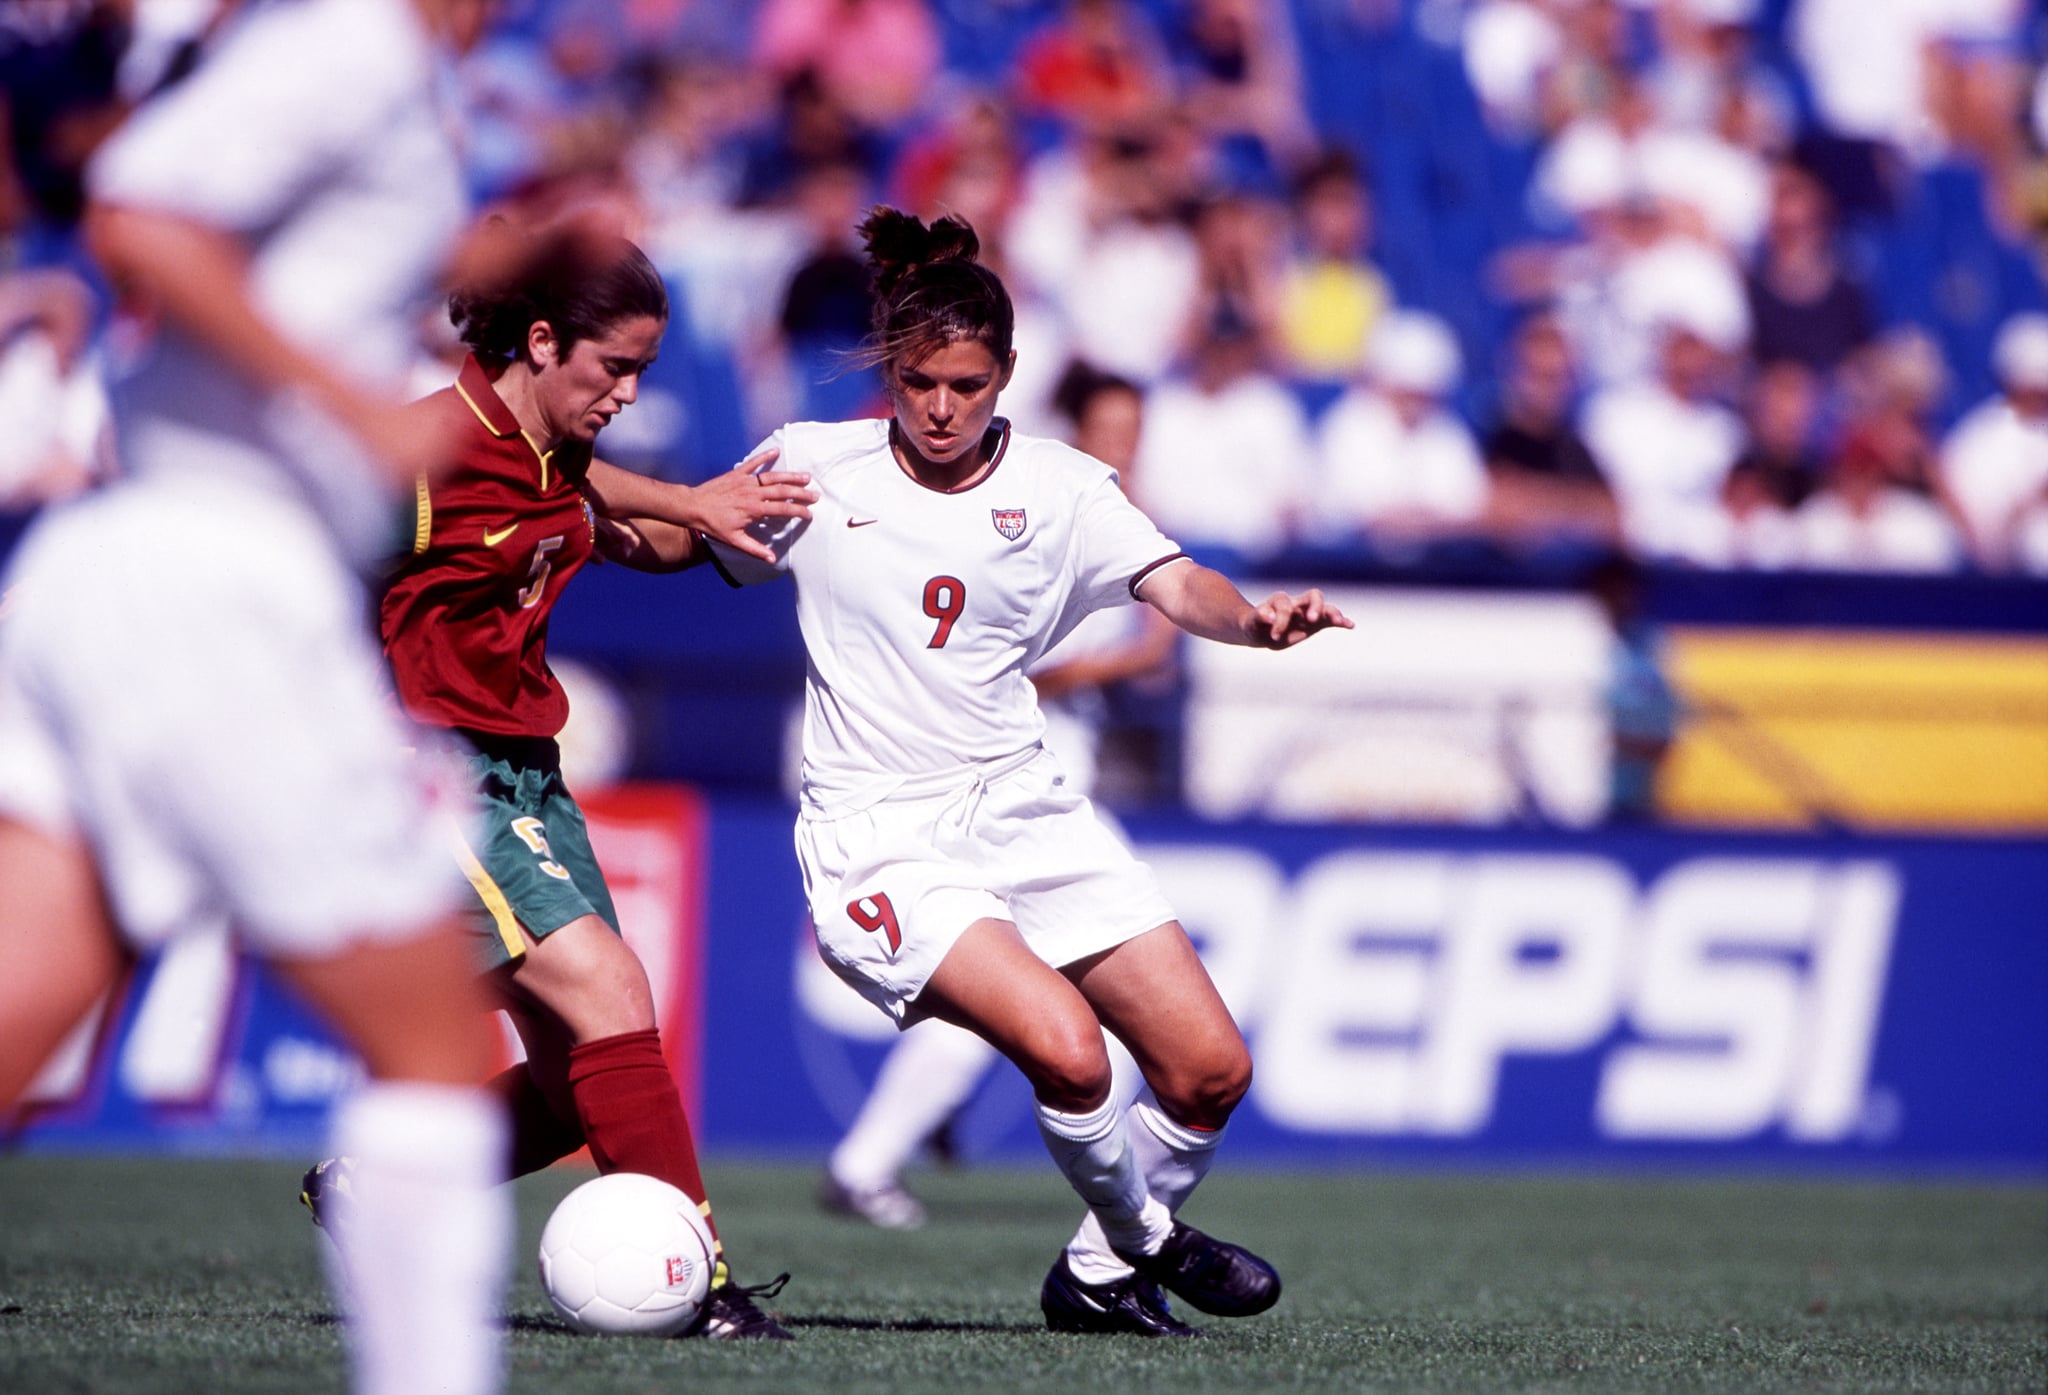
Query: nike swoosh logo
{"points": [[861, 522], [493, 539]]}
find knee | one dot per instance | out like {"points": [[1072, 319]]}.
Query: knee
{"points": [[1203, 1092], [1069, 1068], [590, 980]]}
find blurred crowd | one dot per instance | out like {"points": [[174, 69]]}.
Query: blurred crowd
{"points": [[1726, 283]]}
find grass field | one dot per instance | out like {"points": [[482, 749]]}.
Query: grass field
{"points": [[133, 1277]]}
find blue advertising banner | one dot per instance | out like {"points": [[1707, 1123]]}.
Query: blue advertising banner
{"points": [[1435, 995], [1638, 997]]}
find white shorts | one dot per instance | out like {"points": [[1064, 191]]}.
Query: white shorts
{"points": [[188, 682], [892, 886]]}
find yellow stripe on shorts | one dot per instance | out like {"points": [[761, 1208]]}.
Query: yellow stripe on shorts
{"points": [[493, 898]]}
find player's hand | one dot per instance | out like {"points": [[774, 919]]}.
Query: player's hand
{"points": [[723, 508], [1284, 621]]}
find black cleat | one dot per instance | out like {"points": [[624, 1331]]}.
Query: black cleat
{"points": [[326, 1192], [730, 1314], [1214, 1275], [1132, 1304]]}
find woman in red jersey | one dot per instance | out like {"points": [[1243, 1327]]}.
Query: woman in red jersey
{"points": [[557, 349]]}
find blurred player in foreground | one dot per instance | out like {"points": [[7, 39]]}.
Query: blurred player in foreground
{"points": [[192, 727], [934, 1068], [558, 342], [951, 872]]}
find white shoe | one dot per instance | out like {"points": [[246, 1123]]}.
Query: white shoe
{"points": [[887, 1206]]}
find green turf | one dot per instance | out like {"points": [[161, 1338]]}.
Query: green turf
{"points": [[198, 1278]]}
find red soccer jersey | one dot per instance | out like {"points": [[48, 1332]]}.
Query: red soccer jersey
{"points": [[465, 618]]}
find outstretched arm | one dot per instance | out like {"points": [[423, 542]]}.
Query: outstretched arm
{"points": [[721, 508], [1205, 604], [649, 544]]}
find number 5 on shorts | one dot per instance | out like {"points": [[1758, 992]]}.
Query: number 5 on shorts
{"points": [[534, 834], [880, 919]]}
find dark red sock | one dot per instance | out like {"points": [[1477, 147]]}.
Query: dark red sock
{"points": [[539, 1135], [631, 1114]]}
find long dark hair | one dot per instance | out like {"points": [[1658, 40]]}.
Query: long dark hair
{"points": [[927, 289], [582, 282]]}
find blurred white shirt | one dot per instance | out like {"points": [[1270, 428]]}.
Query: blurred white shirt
{"points": [[1228, 468]]}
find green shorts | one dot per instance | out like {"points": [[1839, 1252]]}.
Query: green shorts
{"points": [[535, 866]]}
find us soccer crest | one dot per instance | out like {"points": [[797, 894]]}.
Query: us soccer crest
{"points": [[1009, 522]]}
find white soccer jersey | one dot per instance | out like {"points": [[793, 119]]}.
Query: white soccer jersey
{"points": [[921, 610], [312, 133]]}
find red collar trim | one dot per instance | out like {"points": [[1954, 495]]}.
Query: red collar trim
{"points": [[1000, 425]]}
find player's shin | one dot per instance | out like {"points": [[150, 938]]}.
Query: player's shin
{"points": [[1094, 1150], [1173, 1159], [424, 1253], [633, 1118]]}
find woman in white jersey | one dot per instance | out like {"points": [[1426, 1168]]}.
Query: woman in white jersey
{"points": [[192, 728], [951, 873]]}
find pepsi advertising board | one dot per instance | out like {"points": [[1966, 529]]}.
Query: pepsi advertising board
{"points": [[1411, 995]]}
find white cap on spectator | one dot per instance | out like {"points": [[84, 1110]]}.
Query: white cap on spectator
{"points": [[1683, 285], [2020, 353], [1414, 352]]}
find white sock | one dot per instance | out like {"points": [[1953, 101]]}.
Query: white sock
{"points": [[428, 1241], [1094, 1151], [1174, 1159], [928, 1074]]}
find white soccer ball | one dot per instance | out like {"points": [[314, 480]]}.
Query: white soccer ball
{"points": [[627, 1254]]}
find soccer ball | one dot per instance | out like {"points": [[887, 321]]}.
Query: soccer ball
{"points": [[627, 1254]]}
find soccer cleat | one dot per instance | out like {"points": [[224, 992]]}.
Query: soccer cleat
{"points": [[730, 1314], [1214, 1275], [327, 1192], [1132, 1305], [887, 1206]]}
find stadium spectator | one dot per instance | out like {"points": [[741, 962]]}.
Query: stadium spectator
{"points": [[1544, 484], [1240, 78], [1239, 270], [1804, 305], [559, 340], [1710, 188], [1783, 418], [950, 873], [1395, 462], [1779, 468], [824, 304], [1226, 450], [1512, 51], [1995, 460], [1704, 74], [1097, 68], [876, 58], [58, 435], [1666, 442], [1099, 234], [192, 728], [1861, 519], [1331, 294]]}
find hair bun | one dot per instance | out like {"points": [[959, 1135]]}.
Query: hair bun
{"points": [[898, 244]]}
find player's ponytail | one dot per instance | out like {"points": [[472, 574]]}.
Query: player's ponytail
{"points": [[582, 281], [928, 289]]}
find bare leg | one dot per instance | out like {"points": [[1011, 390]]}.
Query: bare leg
{"points": [[992, 984], [1154, 994], [59, 947], [586, 1013], [421, 1259]]}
